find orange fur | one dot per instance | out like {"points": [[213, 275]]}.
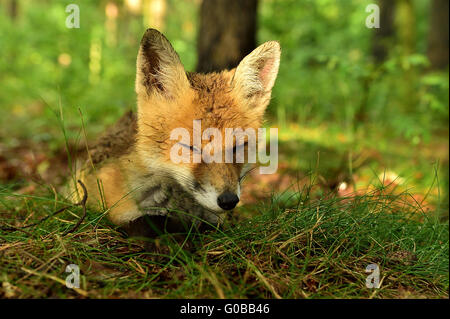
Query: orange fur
{"points": [[139, 172]]}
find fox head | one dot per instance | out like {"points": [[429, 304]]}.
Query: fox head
{"points": [[168, 98]]}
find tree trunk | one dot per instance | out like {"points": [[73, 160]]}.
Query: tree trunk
{"points": [[383, 37], [227, 33], [407, 39], [13, 8], [438, 41], [406, 26]]}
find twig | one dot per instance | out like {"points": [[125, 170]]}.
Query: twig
{"points": [[83, 204], [11, 228]]}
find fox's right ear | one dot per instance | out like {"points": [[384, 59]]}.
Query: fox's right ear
{"points": [[158, 68], [256, 73]]}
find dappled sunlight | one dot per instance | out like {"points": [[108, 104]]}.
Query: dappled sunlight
{"points": [[364, 167]]}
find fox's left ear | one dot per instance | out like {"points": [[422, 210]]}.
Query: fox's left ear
{"points": [[159, 71], [255, 75]]}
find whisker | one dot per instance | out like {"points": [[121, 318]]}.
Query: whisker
{"points": [[241, 178]]}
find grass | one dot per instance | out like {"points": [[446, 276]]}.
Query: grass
{"points": [[290, 247]]}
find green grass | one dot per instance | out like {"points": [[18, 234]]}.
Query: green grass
{"points": [[289, 247]]}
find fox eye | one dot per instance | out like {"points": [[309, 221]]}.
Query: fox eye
{"points": [[191, 147], [235, 147]]}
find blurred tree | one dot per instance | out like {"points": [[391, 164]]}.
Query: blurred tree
{"points": [[111, 12], [227, 33], [406, 27], [382, 41], [384, 35], [438, 36], [13, 8]]}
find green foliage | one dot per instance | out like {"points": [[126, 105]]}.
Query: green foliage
{"points": [[328, 74], [99, 77]]}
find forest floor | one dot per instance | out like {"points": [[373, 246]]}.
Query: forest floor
{"points": [[308, 231]]}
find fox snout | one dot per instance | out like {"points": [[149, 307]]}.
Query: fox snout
{"points": [[215, 200], [227, 200], [217, 185]]}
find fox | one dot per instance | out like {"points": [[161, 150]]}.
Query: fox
{"points": [[130, 173]]}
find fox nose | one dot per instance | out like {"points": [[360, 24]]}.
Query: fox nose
{"points": [[227, 200]]}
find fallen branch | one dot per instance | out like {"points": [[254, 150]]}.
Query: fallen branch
{"points": [[82, 203]]}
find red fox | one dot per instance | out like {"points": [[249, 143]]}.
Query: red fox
{"points": [[130, 170]]}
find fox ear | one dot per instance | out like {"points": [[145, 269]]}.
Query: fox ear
{"points": [[256, 73], [158, 67]]}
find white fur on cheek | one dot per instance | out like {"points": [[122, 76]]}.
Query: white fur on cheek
{"points": [[208, 198]]}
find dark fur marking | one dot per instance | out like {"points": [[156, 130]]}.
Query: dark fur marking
{"points": [[118, 140]]}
